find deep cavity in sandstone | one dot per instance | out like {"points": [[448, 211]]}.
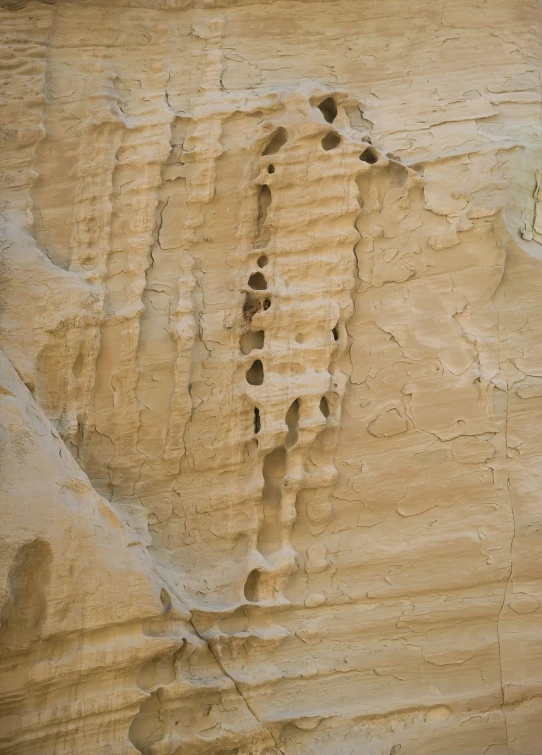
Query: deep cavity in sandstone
{"points": [[271, 377]]}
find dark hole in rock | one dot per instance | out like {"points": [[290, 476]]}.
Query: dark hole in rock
{"points": [[335, 332], [266, 303], [324, 407], [263, 260], [270, 168], [292, 420], [264, 200], [369, 156], [300, 338], [328, 108], [331, 140], [252, 339], [255, 373], [257, 282], [251, 586], [257, 421], [278, 140]]}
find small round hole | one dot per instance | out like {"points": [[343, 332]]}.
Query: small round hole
{"points": [[300, 338], [331, 140], [266, 303], [263, 260], [270, 168]]}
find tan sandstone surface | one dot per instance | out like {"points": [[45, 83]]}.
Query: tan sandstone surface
{"points": [[271, 377]]}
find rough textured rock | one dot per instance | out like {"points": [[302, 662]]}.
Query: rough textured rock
{"points": [[271, 382]]}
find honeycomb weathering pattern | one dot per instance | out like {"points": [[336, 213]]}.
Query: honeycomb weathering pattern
{"points": [[271, 381]]}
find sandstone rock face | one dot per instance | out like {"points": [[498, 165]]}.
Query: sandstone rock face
{"points": [[271, 379]]}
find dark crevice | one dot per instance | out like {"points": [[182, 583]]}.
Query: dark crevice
{"points": [[264, 200], [270, 168], [278, 140], [328, 108], [257, 421], [292, 420], [335, 332], [330, 141], [324, 406], [251, 586], [252, 339], [257, 282], [369, 156], [255, 373]]}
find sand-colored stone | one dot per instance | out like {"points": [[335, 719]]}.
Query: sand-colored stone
{"points": [[271, 377]]}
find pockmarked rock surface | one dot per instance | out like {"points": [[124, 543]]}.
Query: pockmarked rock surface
{"points": [[271, 377]]}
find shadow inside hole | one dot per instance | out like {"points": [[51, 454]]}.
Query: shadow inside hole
{"points": [[266, 303], [264, 200], [335, 332], [270, 168], [263, 260], [252, 339], [257, 282], [330, 141], [292, 420], [251, 586], [328, 108], [278, 140], [369, 156], [324, 406], [255, 374]]}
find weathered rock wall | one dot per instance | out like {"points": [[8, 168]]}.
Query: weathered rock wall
{"points": [[272, 385]]}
